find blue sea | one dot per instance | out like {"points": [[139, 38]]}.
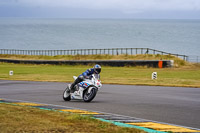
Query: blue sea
{"points": [[174, 36]]}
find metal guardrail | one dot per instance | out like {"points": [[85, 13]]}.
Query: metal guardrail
{"points": [[110, 51], [194, 58]]}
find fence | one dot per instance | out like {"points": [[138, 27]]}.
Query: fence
{"points": [[110, 51], [194, 58]]}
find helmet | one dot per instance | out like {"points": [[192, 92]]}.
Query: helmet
{"points": [[97, 69]]}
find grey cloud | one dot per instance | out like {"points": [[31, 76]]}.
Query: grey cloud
{"points": [[101, 8]]}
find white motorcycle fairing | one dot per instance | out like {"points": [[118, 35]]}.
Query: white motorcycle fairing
{"points": [[85, 90]]}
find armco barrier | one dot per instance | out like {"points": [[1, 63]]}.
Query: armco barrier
{"points": [[148, 63]]}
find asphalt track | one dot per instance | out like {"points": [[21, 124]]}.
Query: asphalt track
{"points": [[175, 105]]}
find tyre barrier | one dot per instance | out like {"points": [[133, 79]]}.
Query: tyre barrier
{"points": [[119, 63]]}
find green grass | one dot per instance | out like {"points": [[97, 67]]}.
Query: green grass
{"points": [[26, 119], [187, 76]]}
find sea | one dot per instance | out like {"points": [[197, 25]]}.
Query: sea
{"points": [[173, 36]]}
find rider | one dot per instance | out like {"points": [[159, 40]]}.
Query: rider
{"points": [[85, 75]]}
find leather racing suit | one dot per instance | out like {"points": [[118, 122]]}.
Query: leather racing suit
{"points": [[85, 75]]}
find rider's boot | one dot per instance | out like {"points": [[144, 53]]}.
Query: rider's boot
{"points": [[78, 80], [72, 89]]}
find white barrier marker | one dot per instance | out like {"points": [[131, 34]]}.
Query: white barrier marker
{"points": [[154, 75], [11, 73]]}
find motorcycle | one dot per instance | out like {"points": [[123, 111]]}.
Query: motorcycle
{"points": [[85, 90]]}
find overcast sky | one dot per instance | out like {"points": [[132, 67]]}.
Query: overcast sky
{"points": [[147, 9]]}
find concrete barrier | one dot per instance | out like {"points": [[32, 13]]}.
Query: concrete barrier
{"points": [[148, 63]]}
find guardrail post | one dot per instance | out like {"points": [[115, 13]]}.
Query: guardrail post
{"points": [[131, 51], [147, 52]]}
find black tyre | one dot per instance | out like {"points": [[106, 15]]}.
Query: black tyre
{"points": [[88, 97], [66, 94]]}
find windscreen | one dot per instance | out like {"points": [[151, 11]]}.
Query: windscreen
{"points": [[97, 76]]}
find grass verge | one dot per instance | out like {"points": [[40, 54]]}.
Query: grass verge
{"points": [[27, 119], [186, 76], [182, 74]]}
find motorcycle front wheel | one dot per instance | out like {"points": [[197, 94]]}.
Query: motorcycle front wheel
{"points": [[66, 94], [88, 97]]}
